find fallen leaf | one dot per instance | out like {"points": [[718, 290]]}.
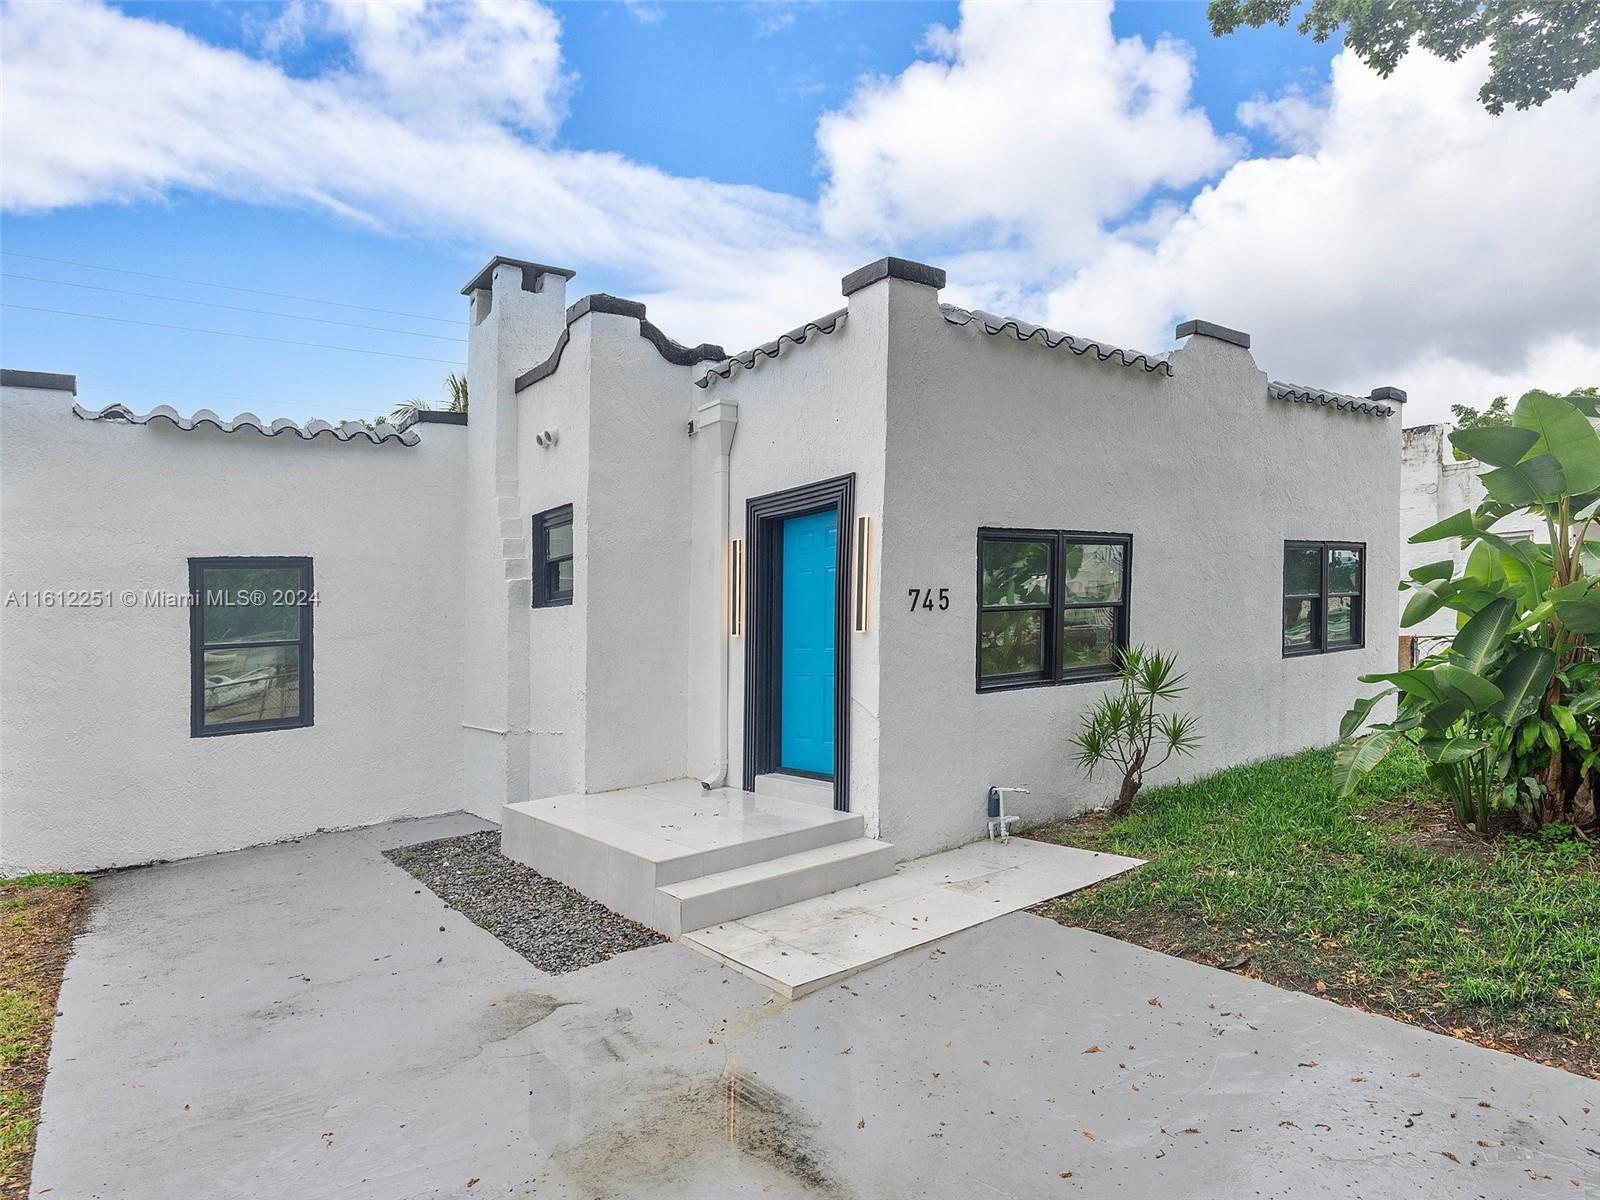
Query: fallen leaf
{"points": [[1093, 1050], [1312, 1063], [861, 1124], [473, 1182], [1088, 1135], [1068, 1175], [1154, 1002], [1321, 987], [1450, 1156]]}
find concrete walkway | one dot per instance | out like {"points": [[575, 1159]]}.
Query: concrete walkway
{"points": [[300, 1021]]}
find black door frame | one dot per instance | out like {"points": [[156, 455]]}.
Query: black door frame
{"points": [[763, 518]]}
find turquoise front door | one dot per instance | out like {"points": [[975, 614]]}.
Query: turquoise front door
{"points": [[807, 610]]}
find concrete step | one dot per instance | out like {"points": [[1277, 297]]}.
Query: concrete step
{"points": [[620, 847], [729, 895], [796, 787]]}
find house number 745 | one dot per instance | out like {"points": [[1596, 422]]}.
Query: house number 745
{"points": [[924, 598]]}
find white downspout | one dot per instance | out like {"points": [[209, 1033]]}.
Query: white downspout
{"points": [[724, 417]]}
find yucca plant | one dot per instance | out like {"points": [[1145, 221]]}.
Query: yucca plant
{"points": [[1126, 727]]}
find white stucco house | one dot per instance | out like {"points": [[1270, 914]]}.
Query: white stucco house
{"points": [[871, 569]]}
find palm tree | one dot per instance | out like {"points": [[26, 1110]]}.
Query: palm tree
{"points": [[455, 384]]}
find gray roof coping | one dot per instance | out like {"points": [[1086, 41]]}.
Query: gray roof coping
{"points": [[1388, 393], [892, 268], [344, 432], [428, 416], [486, 276], [1301, 394], [747, 359], [600, 302], [675, 353], [39, 379], [1021, 330], [1212, 330]]}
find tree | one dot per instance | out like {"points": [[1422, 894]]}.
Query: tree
{"points": [[1508, 716], [1537, 47], [1467, 417], [455, 384], [1125, 727]]}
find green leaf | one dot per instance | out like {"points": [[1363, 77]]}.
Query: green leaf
{"points": [[1440, 717], [1528, 482], [1564, 434], [1427, 599], [1357, 716], [1565, 721], [1522, 682], [1446, 751], [1455, 683], [1585, 703], [1458, 525], [1497, 445], [1352, 761], [1415, 682], [1429, 572], [1479, 640], [1580, 616]]}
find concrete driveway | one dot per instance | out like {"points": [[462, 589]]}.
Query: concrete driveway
{"points": [[299, 1021]]}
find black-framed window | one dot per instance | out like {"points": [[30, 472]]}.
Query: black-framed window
{"points": [[552, 557], [1324, 597], [249, 644], [1052, 606]]}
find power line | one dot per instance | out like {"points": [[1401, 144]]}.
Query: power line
{"points": [[67, 262], [260, 312], [254, 337]]}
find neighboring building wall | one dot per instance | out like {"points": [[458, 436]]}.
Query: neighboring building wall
{"points": [[1433, 486], [1207, 472], [97, 766]]}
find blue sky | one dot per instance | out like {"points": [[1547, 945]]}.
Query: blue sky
{"points": [[727, 93]]}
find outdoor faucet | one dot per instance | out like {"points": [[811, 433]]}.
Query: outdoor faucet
{"points": [[999, 822]]}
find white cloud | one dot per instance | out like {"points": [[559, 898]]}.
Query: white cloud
{"points": [[1416, 242], [1030, 122], [1401, 237], [100, 107]]}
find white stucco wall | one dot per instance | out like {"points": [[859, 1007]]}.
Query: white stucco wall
{"points": [[97, 767], [1208, 474]]}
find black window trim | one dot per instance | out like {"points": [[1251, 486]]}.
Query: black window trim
{"points": [[1359, 616], [543, 595], [1053, 675], [197, 644]]}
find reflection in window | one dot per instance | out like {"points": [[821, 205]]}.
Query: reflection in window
{"points": [[1052, 606], [1323, 591], [250, 655]]}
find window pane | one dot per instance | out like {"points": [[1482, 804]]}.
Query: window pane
{"points": [[1016, 573], [259, 684], [1302, 572], [1344, 622], [1088, 638], [1011, 643], [1344, 573], [1094, 574], [239, 604], [563, 576], [558, 539], [1300, 624]]}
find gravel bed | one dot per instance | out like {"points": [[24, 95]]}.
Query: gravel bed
{"points": [[549, 924]]}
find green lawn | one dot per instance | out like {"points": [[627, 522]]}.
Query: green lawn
{"points": [[38, 916], [1375, 901]]}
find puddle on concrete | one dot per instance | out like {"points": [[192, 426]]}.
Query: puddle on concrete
{"points": [[706, 1127]]}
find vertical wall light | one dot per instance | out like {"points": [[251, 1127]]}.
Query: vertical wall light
{"points": [[860, 577], [735, 587]]}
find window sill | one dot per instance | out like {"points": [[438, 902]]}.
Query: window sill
{"points": [[1314, 653], [1064, 681], [252, 727]]}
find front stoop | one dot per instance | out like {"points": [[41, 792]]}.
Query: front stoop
{"points": [[674, 856]]}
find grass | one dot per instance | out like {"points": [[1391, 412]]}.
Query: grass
{"points": [[38, 916], [1375, 901]]}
